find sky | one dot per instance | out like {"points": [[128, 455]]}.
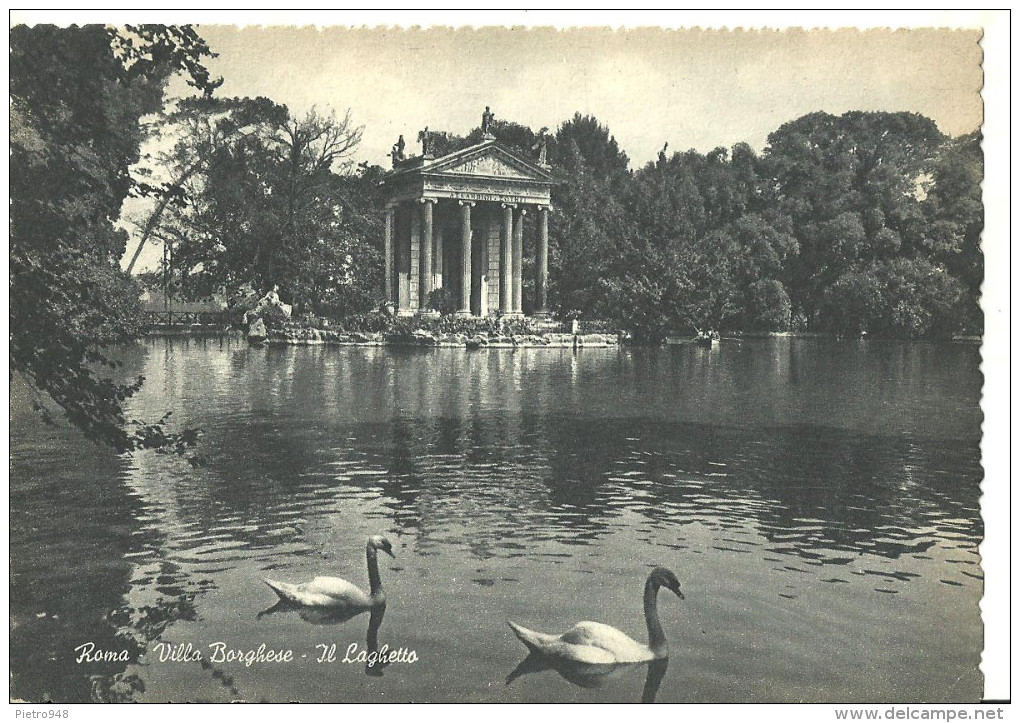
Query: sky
{"points": [[691, 88]]}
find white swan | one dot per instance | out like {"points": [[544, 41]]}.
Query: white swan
{"points": [[597, 644], [335, 592]]}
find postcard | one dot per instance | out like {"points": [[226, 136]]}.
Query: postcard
{"points": [[528, 360]]}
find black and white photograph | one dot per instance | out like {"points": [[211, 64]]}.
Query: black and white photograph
{"points": [[518, 359]]}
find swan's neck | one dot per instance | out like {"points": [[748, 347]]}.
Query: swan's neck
{"points": [[374, 582], [656, 638]]}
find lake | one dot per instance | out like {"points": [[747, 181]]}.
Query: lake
{"points": [[817, 499]]}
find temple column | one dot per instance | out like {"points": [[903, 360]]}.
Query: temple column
{"points": [[542, 275], [518, 258], [465, 259], [480, 271], [437, 257], [402, 252], [388, 286], [506, 259], [425, 255]]}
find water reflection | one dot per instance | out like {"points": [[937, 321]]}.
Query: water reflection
{"points": [[313, 615], [75, 531], [823, 499], [589, 676], [373, 666], [374, 663], [656, 672]]}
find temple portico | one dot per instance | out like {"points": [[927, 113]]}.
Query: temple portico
{"points": [[457, 223]]}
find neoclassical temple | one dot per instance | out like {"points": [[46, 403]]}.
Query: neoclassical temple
{"points": [[457, 222]]}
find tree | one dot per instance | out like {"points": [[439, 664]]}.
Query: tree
{"points": [[955, 213], [674, 247], [850, 186], [647, 299], [586, 136], [341, 269], [588, 220], [853, 302], [704, 226], [77, 95], [898, 297], [763, 245], [767, 305], [518, 138], [922, 299], [272, 201], [445, 143], [196, 129], [880, 202]]}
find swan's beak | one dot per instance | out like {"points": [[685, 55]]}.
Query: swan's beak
{"points": [[677, 591], [389, 551]]}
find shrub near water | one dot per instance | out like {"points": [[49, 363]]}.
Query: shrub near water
{"points": [[371, 322], [405, 327], [375, 322]]}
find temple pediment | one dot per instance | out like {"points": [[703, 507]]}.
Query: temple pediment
{"points": [[487, 166], [486, 171], [487, 161]]}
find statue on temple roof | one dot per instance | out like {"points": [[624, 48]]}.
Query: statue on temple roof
{"points": [[397, 153], [541, 145], [487, 117], [425, 138]]}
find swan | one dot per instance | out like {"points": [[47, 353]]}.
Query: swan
{"points": [[335, 592], [597, 644]]}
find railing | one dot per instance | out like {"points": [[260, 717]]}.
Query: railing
{"points": [[182, 319]]}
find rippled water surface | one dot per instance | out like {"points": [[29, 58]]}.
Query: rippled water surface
{"points": [[818, 501]]}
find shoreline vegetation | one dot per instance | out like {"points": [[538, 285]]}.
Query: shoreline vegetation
{"points": [[557, 340], [422, 338], [538, 338]]}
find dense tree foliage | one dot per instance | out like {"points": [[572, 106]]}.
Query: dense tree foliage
{"points": [[700, 243], [77, 95], [852, 185], [588, 219], [952, 204], [866, 222], [516, 137]]}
